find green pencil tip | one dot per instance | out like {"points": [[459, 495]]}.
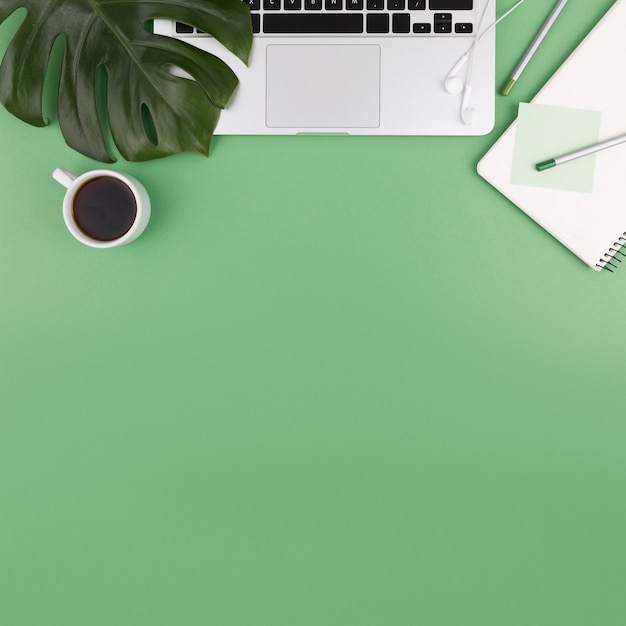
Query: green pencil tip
{"points": [[507, 88], [545, 165]]}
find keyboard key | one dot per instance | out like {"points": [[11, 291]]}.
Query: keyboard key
{"points": [[354, 5], [334, 5], [375, 5], [417, 5], [313, 23], [183, 28], [400, 23], [256, 23], [271, 5], [255, 5], [313, 5], [292, 5], [443, 22], [451, 5], [395, 5], [421, 28], [463, 28], [377, 23]]}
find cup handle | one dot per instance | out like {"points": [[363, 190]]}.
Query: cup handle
{"points": [[64, 177]]}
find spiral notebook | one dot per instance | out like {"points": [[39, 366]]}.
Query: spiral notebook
{"points": [[581, 203]]}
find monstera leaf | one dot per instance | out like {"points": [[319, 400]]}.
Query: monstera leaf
{"points": [[143, 97]]}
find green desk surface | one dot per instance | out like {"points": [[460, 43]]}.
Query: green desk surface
{"points": [[339, 381]]}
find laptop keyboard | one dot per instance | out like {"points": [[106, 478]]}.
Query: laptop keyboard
{"points": [[352, 17]]}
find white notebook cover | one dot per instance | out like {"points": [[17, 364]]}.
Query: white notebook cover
{"points": [[592, 224]]}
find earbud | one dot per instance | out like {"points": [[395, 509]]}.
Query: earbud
{"points": [[468, 116], [468, 113], [454, 83]]}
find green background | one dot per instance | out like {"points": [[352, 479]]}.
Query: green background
{"points": [[338, 381]]}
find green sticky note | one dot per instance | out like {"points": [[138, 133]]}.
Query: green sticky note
{"points": [[545, 132]]}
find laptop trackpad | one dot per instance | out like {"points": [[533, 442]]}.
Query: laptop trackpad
{"points": [[323, 86]]}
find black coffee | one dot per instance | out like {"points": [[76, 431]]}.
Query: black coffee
{"points": [[105, 208]]}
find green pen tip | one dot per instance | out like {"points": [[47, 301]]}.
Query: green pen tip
{"points": [[507, 88], [545, 165]]}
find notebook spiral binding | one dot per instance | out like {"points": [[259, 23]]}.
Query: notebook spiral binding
{"points": [[611, 255]]}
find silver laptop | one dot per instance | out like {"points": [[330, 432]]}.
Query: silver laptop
{"points": [[360, 67]]}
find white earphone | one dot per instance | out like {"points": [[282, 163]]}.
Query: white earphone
{"points": [[454, 84]]}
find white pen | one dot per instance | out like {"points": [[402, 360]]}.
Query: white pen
{"points": [[545, 165], [533, 47]]}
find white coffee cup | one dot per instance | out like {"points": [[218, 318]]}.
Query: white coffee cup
{"points": [[87, 194]]}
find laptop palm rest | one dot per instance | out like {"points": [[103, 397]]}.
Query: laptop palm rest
{"points": [[323, 86]]}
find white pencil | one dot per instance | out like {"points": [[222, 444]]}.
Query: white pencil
{"points": [[533, 47], [545, 165]]}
